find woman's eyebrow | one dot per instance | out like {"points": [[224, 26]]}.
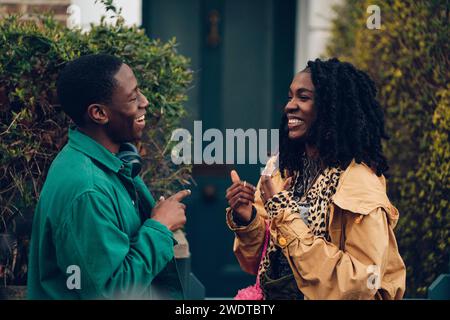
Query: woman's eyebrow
{"points": [[303, 90]]}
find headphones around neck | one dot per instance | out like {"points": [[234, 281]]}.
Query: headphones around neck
{"points": [[128, 153]]}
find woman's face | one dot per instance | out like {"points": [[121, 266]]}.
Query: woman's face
{"points": [[300, 107]]}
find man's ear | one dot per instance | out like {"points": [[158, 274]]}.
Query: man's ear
{"points": [[98, 113]]}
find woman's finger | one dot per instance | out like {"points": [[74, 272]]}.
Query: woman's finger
{"points": [[248, 185], [233, 186], [234, 176], [238, 190], [241, 184], [263, 192], [267, 189], [246, 196], [237, 201]]}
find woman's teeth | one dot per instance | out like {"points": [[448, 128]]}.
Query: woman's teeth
{"points": [[295, 121]]}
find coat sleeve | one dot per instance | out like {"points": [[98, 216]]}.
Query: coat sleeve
{"points": [[321, 269], [249, 239], [111, 264]]}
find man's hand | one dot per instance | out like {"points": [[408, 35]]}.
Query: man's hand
{"points": [[171, 212], [241, 196]]}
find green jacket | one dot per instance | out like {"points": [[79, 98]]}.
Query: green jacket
{"points": [[92, 236]]}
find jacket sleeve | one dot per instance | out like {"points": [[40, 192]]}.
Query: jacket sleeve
{"points": [[249, 239], [321, 269], [111, 264]]}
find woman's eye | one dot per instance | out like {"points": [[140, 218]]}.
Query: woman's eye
{"points": [[304, 98], [289, 98]]}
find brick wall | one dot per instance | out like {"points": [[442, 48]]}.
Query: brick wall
{"points": [[28, 8]]}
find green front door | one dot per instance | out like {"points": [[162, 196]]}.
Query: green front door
{"points": [[242, 52]]}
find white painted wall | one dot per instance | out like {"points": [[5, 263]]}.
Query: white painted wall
{"points": [[312, 29], [91, 12]]}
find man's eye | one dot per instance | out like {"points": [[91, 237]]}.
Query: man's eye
{"points": [[289, 98], [133, 99]]}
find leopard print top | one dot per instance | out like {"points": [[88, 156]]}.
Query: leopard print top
{"points": [[312, 206]]}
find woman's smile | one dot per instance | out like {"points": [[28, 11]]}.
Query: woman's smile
{"points": [[295, 123]]}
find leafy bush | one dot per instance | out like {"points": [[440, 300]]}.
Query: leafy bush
{"points": [[408, 59], [33, 128]]}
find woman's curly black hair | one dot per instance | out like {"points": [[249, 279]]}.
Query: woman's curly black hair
{"points": [[349, 123]]}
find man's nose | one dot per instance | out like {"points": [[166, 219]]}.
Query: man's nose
{"points": [[144, 102]]}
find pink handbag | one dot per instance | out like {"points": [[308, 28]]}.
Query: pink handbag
{"points": [[255, 292]]}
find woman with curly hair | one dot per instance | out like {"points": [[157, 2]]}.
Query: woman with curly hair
{"points": [[324, 208]]}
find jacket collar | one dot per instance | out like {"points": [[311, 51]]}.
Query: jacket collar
{"points": [[361, 191], [94, 150]]}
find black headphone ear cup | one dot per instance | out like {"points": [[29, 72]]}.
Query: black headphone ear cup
{"points": [[136, 167], [129, 153], [128, 147]]}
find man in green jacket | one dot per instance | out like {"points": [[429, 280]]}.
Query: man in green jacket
{"points": [[97, 231]]}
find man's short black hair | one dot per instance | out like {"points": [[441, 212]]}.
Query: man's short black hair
{"points": [[87, 80]]}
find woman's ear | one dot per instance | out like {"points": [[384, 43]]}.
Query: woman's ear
{"points": [[97, 113]]}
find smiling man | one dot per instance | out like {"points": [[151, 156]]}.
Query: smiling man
{"points": [[97, 231]]}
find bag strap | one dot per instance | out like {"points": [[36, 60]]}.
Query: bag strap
{"points": [[266, 243]]}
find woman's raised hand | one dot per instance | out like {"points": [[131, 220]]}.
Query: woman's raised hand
{"points": [[241, 196]]}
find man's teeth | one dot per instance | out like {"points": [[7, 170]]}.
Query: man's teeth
{"points": [[141, 118], [295, 121]]}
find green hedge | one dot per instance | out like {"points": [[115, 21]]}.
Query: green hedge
{"points": [[408, 58], [33, 128]]}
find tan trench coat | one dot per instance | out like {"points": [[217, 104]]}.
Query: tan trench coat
{"points": [[361, 261]]}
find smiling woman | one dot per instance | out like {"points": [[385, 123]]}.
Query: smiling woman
{"points": [[331, 222], [301, 93]]}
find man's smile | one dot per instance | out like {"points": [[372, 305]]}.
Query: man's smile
{"points": [[140, 120]]}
